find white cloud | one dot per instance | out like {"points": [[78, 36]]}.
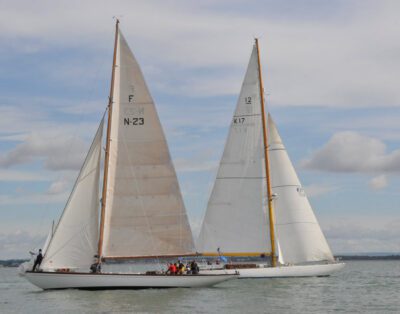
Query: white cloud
{"points": [[347, 57], [198, 85], [58, 187], [42, 118], [353, 152], [59, 152], [383, 123], [378, 183], [13, 120], [358, 236], [315, 190], [20, 175], [80, 108], [18, 244], [34, 199], [194, 165], [39, 136]]}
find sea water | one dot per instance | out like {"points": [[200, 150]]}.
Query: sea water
{"points": [[361, 287]]}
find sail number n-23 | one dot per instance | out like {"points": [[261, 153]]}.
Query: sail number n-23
{"points": [[133, 121]]}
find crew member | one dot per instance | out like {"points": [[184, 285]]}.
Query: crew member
{"points": [[38, 260]]}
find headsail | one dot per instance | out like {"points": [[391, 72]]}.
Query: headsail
{"points": [[235, 220], [74, 242], [144, 211], [298, 232]]}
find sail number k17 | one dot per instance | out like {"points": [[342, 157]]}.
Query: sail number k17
{"points": [[239, 120]]}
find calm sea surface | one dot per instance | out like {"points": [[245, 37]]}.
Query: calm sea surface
{"points": [[362, 287]]}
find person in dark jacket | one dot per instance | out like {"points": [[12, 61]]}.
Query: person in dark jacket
{"points": [[38, 260], [96, 266], [194, 268]]}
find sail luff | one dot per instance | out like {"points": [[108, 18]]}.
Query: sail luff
{"points": [[266, 159], [107, 152]]}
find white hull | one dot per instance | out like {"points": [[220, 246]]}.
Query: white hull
{"points": [[54, 280], [282, 271]]}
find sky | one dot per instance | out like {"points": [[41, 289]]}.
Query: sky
{"points": [[330, 72]]}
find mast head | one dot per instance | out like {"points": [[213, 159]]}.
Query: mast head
{"points": [[116, 20], [256, 43]]}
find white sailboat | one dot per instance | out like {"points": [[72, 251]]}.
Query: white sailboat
{"points": [[142, 212], [258, 206]]}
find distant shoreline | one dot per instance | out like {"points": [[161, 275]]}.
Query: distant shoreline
{"points": [[12, 262], [368, 257]]}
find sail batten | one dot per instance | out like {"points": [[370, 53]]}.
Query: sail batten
{"points": [[144, 214]]}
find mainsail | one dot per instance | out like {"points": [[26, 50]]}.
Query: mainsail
{"points": [[74, 242], [299, 235], [235, 220], [144, 210]]}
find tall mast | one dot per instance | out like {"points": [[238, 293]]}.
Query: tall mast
{"points": [[107, 154], [267, 170]]}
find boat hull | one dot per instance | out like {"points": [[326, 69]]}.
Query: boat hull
{"points": [[282, 271], [58, 280]]}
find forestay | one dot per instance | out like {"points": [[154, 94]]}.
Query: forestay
{"points": [[74, 242], [235, 219], [298, 232], [144, 212]]}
